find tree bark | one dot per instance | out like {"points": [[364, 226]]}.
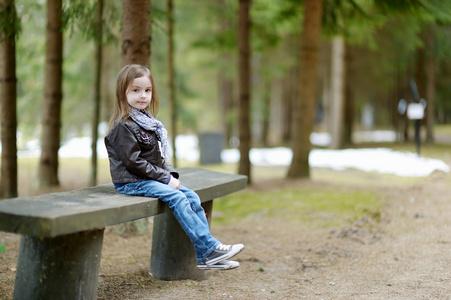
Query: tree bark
{"points": [[97, 91], [287, 107], [244, 50], [136, 32], [51, 116], [349, 117], [305, 106], [226, 97], [337, 91], [290, 94], [227, 103], [8, 98], [171, 79], [430, 90], [266, 112]]}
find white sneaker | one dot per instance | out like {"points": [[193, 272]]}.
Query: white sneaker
{"points": [[222, 265], [223, 252]]}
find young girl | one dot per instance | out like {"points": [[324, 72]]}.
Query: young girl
{"points": [[138, 152]]}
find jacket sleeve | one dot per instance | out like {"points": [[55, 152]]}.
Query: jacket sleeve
{"points": [[126, 146], [167, 166]]}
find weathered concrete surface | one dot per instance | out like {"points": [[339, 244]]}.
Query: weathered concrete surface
{"points": [[173, 256], [63, 267], [97, 207]]}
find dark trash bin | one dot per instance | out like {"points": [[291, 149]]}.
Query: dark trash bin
{"points": [[211, 145]]}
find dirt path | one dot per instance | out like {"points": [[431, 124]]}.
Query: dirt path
{"points": [[402, 254]]}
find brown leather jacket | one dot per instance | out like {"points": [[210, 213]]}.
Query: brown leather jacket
{"points": [[135, 155]]}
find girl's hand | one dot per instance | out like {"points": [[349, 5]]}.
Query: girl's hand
{"points": [[174, 183]]}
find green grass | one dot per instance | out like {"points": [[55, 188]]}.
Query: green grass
{"points": [[314, 207]]}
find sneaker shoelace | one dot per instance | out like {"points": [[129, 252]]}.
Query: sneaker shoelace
{"points": [[224, 247]]}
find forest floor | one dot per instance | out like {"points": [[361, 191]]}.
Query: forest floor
{"points": [[401, 252]]}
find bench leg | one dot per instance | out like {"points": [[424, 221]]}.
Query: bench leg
{"points": [[173, 256], [63, 267]]}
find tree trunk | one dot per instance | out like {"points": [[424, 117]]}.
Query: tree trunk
{"points": [[305, 106], [326, 93], [420, 79], [51, 116], [337, 91], [289, 90], [406, 121], [227, 97], [266, 112], [109, 70], [171, 85], [348, 124], [286, 109], [135, 32], [227, 103], [97, 91], [150, 34], [244, 87], [290, 94], [8, 97], [430, 90]]}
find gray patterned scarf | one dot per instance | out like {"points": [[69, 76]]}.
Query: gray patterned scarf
{"points": [[144, 119]]}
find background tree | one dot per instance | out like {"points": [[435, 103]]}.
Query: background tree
{"points": [[304, 107], [98, 58], [337, 95], [53, 96], [244, 50], [171, 78], [9, 27], [135, 32]]}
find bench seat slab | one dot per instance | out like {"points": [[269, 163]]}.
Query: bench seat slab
{"points": [[63, 213]]}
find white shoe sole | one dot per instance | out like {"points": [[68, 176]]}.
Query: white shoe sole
{"points": [[222, 265]]}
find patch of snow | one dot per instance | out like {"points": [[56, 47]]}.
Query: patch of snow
{"points": [[372, 160]]}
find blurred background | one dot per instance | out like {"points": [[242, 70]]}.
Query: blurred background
{"points": [[371, 60]]}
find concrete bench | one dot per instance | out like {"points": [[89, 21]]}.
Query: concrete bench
{"points": [[62, 234]]}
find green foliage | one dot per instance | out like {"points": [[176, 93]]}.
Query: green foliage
{"points": [[80, 16], [271, 20], [338, 15], [384, 36], [221, 37], [439, 10], [9, 21], [399, 6], [30, 51], [2, 248], [316, 207]]}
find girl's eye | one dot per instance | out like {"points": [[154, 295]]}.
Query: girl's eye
{"points": [[148, 91]]}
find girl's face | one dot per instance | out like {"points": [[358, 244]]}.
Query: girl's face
{"points": [[139, 93]]}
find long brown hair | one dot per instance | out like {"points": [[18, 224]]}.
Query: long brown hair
{"points": [[124, 78]]}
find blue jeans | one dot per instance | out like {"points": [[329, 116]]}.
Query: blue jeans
{"points": [[185, 204]]}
